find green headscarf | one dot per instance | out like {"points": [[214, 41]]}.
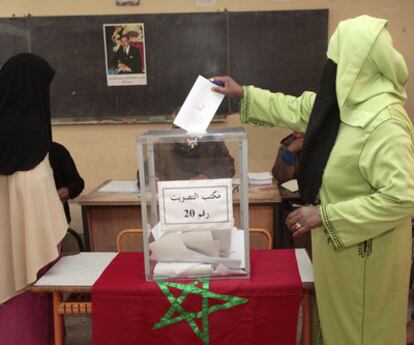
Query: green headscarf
{"points": [[371, 74]]}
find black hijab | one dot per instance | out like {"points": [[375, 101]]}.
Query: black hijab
{"points": [[25, 128], [320, 136]]}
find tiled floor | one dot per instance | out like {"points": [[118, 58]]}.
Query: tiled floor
{"points": [[78, 330]]}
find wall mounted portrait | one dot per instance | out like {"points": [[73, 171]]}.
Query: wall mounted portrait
{"points": [[125, 54]]}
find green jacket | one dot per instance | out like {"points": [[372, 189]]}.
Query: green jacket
{"points": [[361, 255]]}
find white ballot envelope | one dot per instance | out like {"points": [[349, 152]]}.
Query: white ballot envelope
{"points": [[199, 107]]}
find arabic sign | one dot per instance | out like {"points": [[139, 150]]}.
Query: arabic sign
{"points": [[195, 204]]}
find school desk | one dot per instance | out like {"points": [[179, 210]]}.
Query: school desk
{"points": [[104, 214], [78, 273]]}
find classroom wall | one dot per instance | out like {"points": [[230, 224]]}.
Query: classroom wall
{"points": [[92, 146]]}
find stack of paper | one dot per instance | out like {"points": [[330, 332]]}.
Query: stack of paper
{"points": [[178, 254], [260, 179], [120, 186]]}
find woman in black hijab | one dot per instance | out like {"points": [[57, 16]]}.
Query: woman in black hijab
{"points": [[32, 221], [25, 130]]}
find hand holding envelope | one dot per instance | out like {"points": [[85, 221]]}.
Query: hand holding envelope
{"points": [[229, 87]]}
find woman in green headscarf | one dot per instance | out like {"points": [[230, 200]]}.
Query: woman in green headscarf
{"points": [[357, 171]]}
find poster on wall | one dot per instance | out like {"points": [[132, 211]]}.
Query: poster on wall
{"points": [[127, 2], [125, 54]]}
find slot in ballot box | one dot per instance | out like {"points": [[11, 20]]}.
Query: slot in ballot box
{"points": [[186, 184]]}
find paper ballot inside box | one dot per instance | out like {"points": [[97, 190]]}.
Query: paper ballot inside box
{"points": [[175, 256], [191, 205]]}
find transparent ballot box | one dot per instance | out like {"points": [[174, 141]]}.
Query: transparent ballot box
{"points": [[194, 203]]}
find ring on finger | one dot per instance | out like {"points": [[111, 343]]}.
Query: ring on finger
{"points": [[298, 226]]}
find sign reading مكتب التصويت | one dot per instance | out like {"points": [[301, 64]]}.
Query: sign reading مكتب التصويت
{"points": [[199, 204]]}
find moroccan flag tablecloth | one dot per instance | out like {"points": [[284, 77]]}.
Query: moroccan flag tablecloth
{"points": [[127, 310]]}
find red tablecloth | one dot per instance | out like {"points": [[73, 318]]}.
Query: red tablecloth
{"points": [[127, 310]]}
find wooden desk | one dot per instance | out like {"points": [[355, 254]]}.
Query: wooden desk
{"points": [[104, 214], [79, 272]]}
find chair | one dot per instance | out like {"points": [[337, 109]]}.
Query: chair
{"points": [[130, 240], [77, 238], [72, 243], [260, 239]]}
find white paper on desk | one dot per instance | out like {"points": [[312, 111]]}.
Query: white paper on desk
{"points": [[120, 186], [199, 107], [82, 269], [291, 185], [260, 176], [260, 179]]}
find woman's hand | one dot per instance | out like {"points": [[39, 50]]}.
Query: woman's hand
{"points": [[231, 88], [296, 145], [303, 220], [64, 194]]}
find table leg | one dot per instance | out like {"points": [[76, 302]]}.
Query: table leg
{"points": [[85, 221], [58, 319], [278, 227], [306, 328]]}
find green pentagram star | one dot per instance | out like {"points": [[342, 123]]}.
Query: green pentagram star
{"points": [[190, 317]]}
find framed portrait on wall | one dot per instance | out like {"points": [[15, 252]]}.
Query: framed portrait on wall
{"points": [[125, 60]]}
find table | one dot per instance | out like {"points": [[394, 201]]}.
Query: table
{"points": [[104, 214], [78, 273]]}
